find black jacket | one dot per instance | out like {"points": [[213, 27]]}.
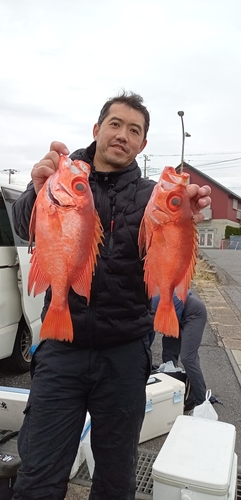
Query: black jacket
{"points": [[119, 310]]}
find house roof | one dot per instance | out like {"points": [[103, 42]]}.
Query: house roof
{"points": [[208, 179]]}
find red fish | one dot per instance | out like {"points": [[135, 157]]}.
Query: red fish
{"points": [[168, 238], [67, 233]]}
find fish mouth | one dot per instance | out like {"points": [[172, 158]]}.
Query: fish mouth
{"points": [[53, 198], [157, 208], [159, 216]]}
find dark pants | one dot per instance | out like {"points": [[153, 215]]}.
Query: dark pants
{"points": [[110, 384], [192, 325]]}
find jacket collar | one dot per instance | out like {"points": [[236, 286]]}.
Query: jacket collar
{"points": [[119, 178]]}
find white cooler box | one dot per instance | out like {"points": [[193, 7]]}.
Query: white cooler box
{"points": [[196, 462], [164, 402], [12, 404]]}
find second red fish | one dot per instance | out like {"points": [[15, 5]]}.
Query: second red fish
{"points": [[168, 239]]}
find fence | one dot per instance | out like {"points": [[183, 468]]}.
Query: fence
{"points": [[230, 244]]}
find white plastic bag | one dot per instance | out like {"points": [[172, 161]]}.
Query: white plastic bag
{"points": [[169, 367], [205, 410]]}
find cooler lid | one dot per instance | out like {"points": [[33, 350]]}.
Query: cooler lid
{"points": [[161, 387], [198, 453]]}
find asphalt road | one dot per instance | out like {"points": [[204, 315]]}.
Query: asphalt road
{"points": [[227, 261]]}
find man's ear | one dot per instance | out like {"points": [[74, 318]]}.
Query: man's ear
{"points": [[95, 130], [144, 143]]}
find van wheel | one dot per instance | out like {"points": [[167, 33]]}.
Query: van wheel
{"points": [[21, 357]]}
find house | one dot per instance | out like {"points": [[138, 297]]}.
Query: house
{"points": [[225, 209]]}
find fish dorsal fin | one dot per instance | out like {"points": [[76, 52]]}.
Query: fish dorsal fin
{"points": [[36, 279], [32, 226], [82, 283], [142, 239], [184, 285]]}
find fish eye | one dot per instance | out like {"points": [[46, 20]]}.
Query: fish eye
{"points": [[78, 187], [174, 202]]}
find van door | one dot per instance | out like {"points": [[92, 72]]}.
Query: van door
{"points": [[10, 299], [31, 306]]}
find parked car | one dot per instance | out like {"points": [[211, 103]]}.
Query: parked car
{"points": [[19, 314]]}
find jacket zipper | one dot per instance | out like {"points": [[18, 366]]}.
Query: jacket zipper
{"points": [[112, 223]]}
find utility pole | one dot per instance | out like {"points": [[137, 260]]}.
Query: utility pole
{"points": [[146, 159]]}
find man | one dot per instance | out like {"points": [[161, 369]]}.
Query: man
{"points": [[106, 367], [192, 317]]}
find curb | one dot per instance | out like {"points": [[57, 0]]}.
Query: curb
{"points": [[234, 365]]}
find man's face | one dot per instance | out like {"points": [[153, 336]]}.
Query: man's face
{"points": [[119, 139]]}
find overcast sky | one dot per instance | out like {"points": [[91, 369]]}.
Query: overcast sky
{"points": [[61, 60]]}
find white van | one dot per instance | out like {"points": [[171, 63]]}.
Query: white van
{"points": [[19, 314]]}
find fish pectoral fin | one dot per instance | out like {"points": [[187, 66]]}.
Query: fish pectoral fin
{"points": [[36, 279], [182, 288], [82, 283]]}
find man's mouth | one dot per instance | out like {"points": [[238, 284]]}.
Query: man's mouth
{"points": [[120, 147]]}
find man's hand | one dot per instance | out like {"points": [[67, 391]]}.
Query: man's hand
{"points": [[48, 165], [200, 198]]}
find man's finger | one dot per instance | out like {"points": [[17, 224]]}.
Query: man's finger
{"points": [[59, 147], [203, 202]]}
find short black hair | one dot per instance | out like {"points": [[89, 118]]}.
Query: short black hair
{"points": [[132, 100]]}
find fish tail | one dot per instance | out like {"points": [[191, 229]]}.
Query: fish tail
{"points": [[57, 324], [166, 321]]}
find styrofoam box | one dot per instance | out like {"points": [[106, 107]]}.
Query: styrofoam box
{"points": [[164, 402], [12, 404], [196, 462], [87, 448], [84, 451]]}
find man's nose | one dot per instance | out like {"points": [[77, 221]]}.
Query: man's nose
{"points": [[122, 134]]}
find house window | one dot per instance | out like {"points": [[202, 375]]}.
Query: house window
{"points": [[206, 239], [235, 204], [6, 235]]}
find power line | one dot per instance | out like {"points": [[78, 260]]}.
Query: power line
{"points": [[199, 154], [218, 162]]}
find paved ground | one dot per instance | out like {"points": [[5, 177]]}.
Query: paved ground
{"points": [[224, 302], [219, 286]]}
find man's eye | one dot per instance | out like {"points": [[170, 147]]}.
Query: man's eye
{"points": [[135, 131], [115, 124]]}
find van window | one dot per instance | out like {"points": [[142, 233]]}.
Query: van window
{"points": [[6, 235], [9, 195]]}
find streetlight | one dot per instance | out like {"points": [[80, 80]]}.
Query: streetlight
{"points": [[184, 134]]}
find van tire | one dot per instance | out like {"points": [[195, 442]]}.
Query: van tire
{"points": [[21, 357]]}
